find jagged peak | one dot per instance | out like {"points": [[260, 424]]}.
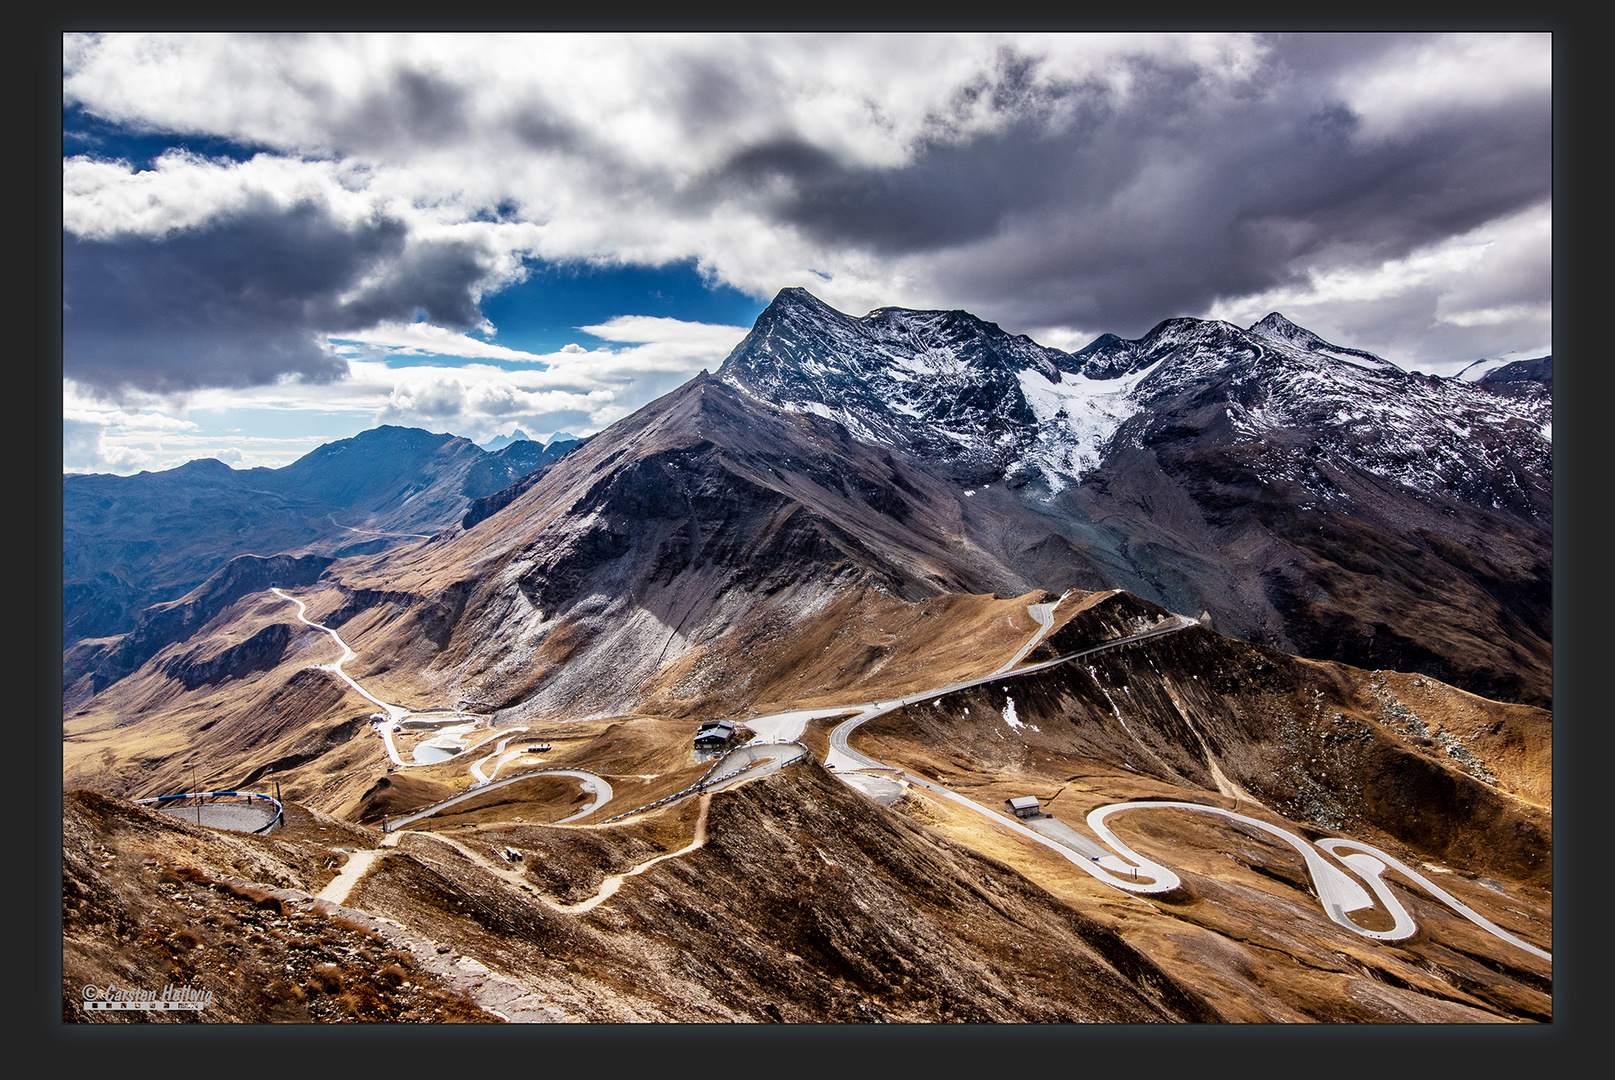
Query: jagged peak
{"points": [[1276, 326], [1276, 322], [795, 296]]}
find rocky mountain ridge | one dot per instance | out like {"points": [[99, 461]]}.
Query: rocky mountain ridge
{"points": [[993, 405], [1212, 468], [132, 541], [719, 555], [1310, 497]]}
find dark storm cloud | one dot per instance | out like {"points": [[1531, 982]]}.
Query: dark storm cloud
{"points": [[1093, 207], [244, 300], [413, 107], [539, 129], [952, 192], [434, 279]]}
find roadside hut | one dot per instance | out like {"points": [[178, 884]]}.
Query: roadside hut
{"points": [[714, 735], [1026, 806]]}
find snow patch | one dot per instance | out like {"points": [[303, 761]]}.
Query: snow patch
{"points": [[1077, 417], [1010, 718]]}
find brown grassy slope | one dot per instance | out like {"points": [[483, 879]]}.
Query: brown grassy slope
{"points": [[859, 916], [1278, 730], [1245, 929], [159, 730], [858, 646], [146, 903]]}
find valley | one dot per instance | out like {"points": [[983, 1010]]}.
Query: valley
{"points": [[484, 735], [494, 845]]}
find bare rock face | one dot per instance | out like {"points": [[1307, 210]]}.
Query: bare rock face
{"points": [[1310, 496], [937, 384], [855, 510], [132, 541]]}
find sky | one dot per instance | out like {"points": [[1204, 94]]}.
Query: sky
{"points": [[273, 241]]}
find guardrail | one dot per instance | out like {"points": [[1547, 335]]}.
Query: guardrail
{"points": [[431, 808], [707, 779], [280, 811]]}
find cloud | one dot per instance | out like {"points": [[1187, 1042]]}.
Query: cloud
{"points": [[425, 339], [646, 328], [84, 449], [575, 389], [1424, 82], [1435, 309], [239, 302], [97, 439], [1067, 184], [250, 294]]}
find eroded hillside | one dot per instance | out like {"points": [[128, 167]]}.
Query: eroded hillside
{"points": [[797, 897]]}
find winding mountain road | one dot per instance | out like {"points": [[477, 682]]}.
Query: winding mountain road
{"points": [[1123, 868], [1338, 891], [1043, 614], [841, 756], [394, 712], [593, 783]]}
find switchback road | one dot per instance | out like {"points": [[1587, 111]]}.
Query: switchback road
{"points": [[1338, 892], [593, 783]]}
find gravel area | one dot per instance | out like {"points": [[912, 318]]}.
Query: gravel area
{"points": [[239, 817]]}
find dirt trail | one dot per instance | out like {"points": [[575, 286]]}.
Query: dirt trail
{"points": [[359, 863], [609, 887], [518, 879]]}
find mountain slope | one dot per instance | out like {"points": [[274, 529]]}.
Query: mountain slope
{"points": [[808, 901], [1314, 497], [132, 541], [904, 513]]}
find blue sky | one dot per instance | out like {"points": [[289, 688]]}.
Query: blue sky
{"points": [[543, 313], [272, 241]]}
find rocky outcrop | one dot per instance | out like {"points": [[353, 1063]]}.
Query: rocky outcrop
{"points": [[164, 624], [260, 652]]}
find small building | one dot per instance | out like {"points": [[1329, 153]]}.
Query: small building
{"points": [[714, 734], [1026, 806]]}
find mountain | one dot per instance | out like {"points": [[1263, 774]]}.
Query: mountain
{"points": [[499, 442], [1305, 496], [880, 513], [1313, 497], [131, 541]]}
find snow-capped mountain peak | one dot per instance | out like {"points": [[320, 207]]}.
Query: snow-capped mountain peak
{"points": [[1276, 329], [989, 405]]}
